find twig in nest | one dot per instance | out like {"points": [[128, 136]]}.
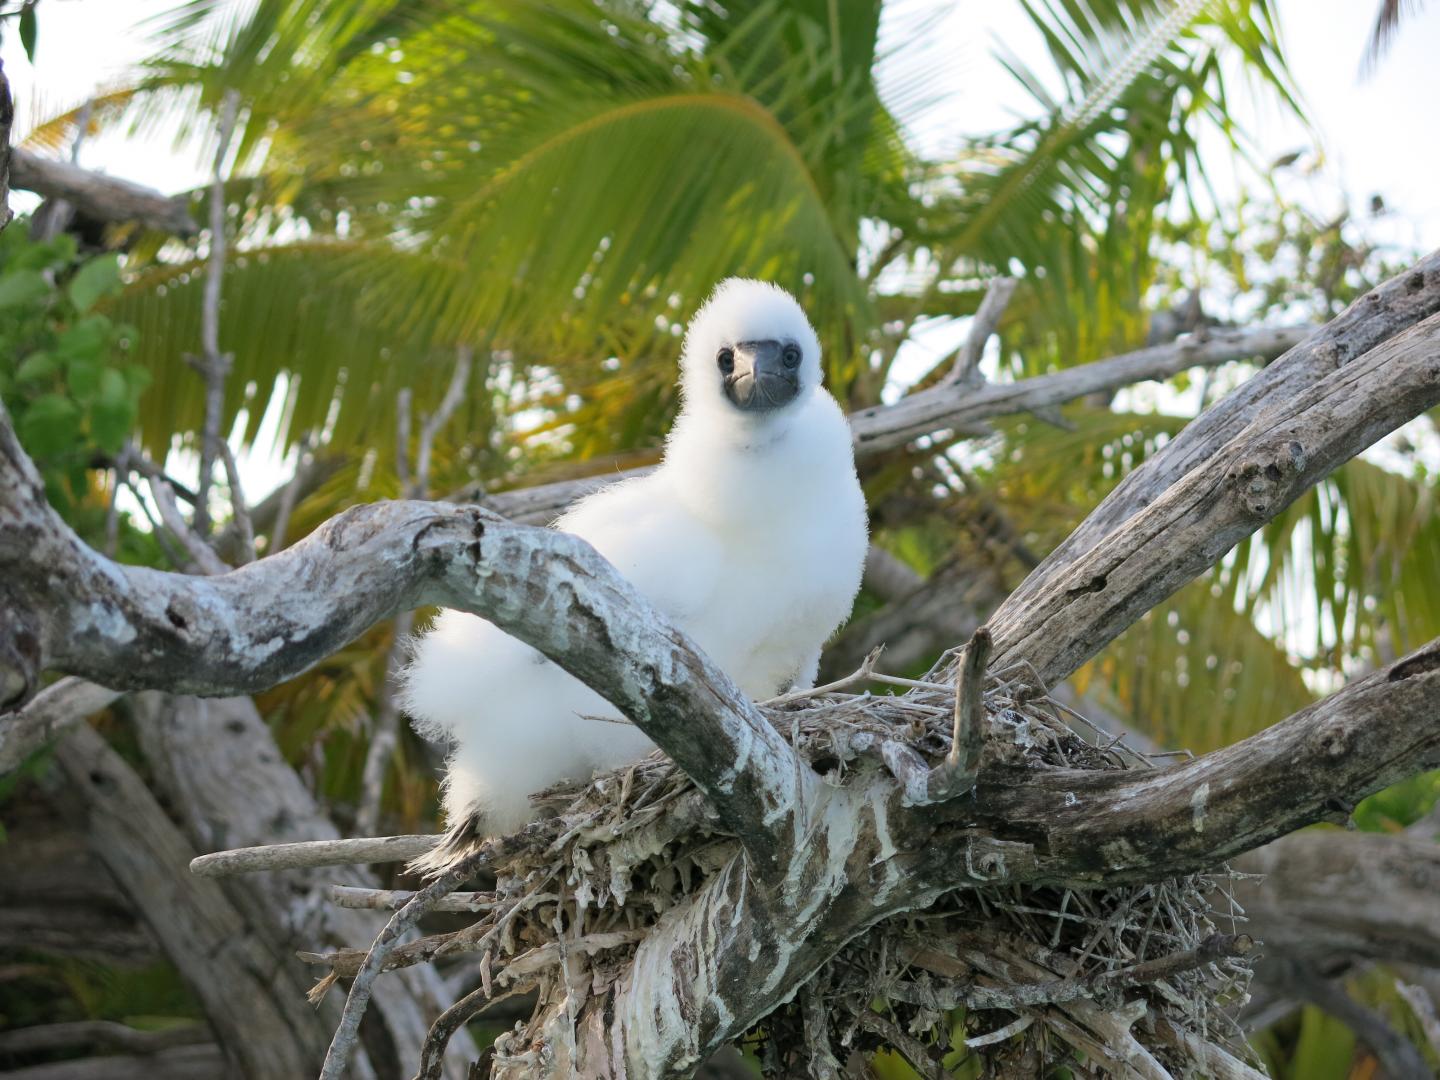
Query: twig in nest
{"points": [[349, 896], [914, 1051], [432, 1053], [348, 1030], [863, 673], [956, 774]]}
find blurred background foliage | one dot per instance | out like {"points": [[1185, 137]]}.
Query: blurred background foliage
{"points": [[558, 184]]}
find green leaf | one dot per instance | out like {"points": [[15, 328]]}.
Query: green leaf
{"points": [[21, 287], [28, 30], [37, 366], [51, 424], [113, 413], [98, 278], [83, 377], [86, 339]]}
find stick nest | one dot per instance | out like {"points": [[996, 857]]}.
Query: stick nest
{"points": [[1131, 980]]}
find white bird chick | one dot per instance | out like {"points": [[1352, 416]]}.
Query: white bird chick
{"points": [[750, 536]]}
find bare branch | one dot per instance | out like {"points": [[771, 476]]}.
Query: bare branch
{"points": [[950, 406], [1286, 449], [105, 1033], [351, 852], [1398, 1056], [348, 896], [956, 775], [404, 920], [238, 508], [105, 198], [966, 371], [201, 553], [431, 425], [1140, 825], [54, 711], [1379, 315]]}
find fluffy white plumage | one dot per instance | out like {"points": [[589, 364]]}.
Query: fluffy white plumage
{"points": [[750, 536]]}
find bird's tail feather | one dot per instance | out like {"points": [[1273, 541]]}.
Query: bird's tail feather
{"points": [[464, 837]]}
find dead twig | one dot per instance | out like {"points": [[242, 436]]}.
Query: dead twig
{"points": [[987, 317], [956, 774]]}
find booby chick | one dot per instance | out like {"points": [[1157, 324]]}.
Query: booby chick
{"points": [[750, 536]]}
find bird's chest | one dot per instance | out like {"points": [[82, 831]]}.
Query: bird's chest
{"points": [[777, 601]]}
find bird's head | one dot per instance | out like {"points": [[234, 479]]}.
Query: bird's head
{"points": [[749, 352]]}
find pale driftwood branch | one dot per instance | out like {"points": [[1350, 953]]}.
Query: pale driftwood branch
{"points": [[352, 852], [1286, 449], [132, 627], [53, 711], [53, 215], [1140, 825], [239, 511], [966, 371], [952, 406], [1379, 315], [105, 198]]}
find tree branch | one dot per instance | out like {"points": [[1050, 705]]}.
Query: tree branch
{"points": [[1144, 825], [105, 198], [952, 405], [1379, 315], [1287, 448], [132, 627]]}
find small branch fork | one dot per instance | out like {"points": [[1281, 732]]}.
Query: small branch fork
{"points": [[966, 370]]}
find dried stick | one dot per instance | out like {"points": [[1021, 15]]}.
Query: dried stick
{"points": [[289, 496], [432, 1053], [353, 852], [213, 365], [203, 556], [239, 511], [864, 673], [911, 1048], [967, 362], [1058, 991], [348, 1030], [956, 774], [350, 896]]}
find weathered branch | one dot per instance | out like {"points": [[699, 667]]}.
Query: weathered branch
{"points": [[1381, 314], [966, 371], [1286, 449], [351, 852], [54, 710], [952, 405], [104, 198], [1143, 825], [133, 627]]}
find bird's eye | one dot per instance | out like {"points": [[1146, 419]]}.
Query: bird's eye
{"points": [[791, 356], [726, 359]]}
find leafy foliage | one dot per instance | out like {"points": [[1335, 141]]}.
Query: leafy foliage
{"points": [[65, 372]]}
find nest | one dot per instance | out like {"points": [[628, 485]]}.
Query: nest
{"points": [[1129, 980]]}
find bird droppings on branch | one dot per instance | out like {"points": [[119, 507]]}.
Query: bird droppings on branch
{"points": [[1046, 973]]}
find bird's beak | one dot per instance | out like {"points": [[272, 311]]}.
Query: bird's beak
{"points": [[761, 381]]}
